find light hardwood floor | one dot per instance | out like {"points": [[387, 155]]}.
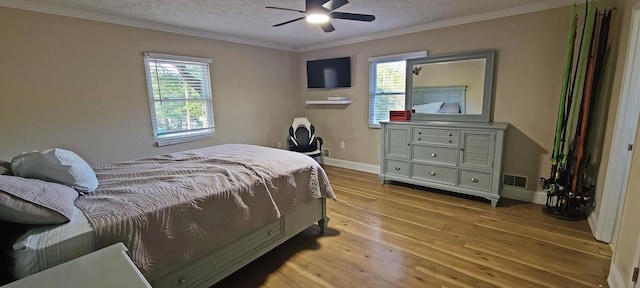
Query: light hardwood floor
{"points": [[400, 236]]}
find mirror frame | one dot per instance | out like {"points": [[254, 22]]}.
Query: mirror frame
{"points": [[487, 95]]}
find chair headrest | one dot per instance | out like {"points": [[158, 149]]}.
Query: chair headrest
{"points": [[301, 121]]}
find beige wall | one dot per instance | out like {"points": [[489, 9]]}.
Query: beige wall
{"points": [[81, 85], [468, 73], [529, 66]]}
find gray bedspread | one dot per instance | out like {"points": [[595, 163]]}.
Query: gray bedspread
{"points": [[172, 208]]}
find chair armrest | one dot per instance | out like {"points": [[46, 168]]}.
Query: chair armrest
{"points": [[291, 145], [320, 142]]}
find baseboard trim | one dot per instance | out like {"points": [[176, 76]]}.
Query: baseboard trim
{"points": [[593, 222], [538, 197], [615, 278], [370, 168]]}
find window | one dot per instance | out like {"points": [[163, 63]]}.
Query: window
{"points": [[387, 85], [180, 98]]}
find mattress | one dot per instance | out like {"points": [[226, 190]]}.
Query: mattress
{"points": [[46, 246]]}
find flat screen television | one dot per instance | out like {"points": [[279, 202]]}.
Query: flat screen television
{"points": [[329, 73]]}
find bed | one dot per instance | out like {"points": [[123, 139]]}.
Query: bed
{"points": [[189, 218]]}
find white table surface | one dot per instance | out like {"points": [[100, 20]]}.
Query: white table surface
{"points": [[106, 268]]}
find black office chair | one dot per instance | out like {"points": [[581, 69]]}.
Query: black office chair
{"points": [[302, 138]]}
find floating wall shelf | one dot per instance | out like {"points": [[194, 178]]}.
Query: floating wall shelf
{"points": [[328, 102]]}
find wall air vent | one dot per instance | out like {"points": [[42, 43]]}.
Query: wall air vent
{"points": [[514, 180]]}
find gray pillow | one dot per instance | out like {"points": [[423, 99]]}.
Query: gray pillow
{"points": [[33, 201], [5, 168], [56, 165]]}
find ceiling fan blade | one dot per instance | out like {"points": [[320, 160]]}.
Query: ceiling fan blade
{"points": [[287, 9], [311, 5], [327, 27], [352, 16], [283, 23], [334, 4]]}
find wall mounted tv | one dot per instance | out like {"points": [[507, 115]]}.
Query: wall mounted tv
{"points": [[329, 73]]}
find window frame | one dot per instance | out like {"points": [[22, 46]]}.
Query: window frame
{"points": [[372, 77], [186, 135]]}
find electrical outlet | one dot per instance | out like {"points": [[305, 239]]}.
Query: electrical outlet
{"points": [[325, 153], [279, 144], [342, 144]]}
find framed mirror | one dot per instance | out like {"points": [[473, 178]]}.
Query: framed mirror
{"points": [[453, 87]]}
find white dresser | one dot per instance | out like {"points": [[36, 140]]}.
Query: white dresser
{"points": [[463, 157]]}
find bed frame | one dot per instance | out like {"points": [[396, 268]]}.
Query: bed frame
{"points": [[221, 262]]}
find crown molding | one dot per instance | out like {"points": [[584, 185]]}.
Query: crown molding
{"points": [[549, 4], [101, 17]]}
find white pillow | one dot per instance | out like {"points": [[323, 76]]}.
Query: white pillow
{"points": [[56, 165], [450, 108], [432, 107]]}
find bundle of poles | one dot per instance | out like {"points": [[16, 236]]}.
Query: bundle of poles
{"points": [[567, 198]]}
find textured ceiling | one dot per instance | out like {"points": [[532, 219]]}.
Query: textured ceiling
{"points": [[248, 19]]}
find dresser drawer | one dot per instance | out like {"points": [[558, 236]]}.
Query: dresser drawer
{"points": [[434, 173], [442, 155], [436, 136], [248, 244], [475, 180], [399, 168]]}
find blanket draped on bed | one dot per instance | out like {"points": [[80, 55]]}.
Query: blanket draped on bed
{"points": [[172, 208]]}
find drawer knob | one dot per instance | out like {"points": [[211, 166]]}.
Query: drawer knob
{"points": [[419, 133], [419, 139], [450, 134], [474, 180], [450, 141], [433, 155], [462, 149], [432, 173], [182, 281], [270, 233], [397, 168]]}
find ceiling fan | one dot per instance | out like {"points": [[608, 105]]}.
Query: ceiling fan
{"points": [[321, 11]]}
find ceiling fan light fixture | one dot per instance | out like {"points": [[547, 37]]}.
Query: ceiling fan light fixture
{"points": [[317, 18], [320, 12]]}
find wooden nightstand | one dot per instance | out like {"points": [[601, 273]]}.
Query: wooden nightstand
{"points": [[108, 267]]}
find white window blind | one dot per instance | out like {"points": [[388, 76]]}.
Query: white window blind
{"points": [[387, 85], [180, 98]]}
